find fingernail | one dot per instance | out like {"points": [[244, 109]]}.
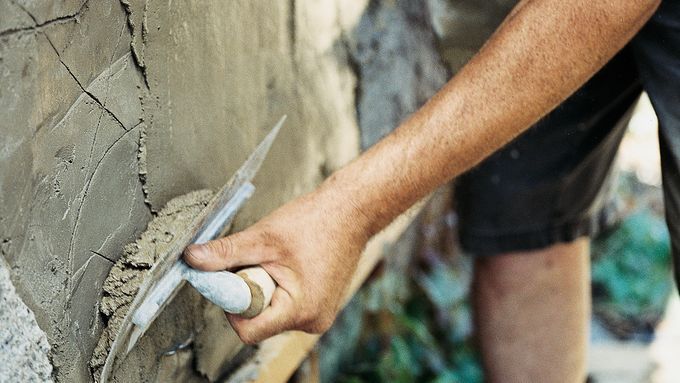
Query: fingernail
{"points": [[195, 254]]}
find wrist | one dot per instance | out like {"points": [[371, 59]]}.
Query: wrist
{"points": [[342, 197]]}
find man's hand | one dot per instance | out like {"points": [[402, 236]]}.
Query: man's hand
{"points": [[306, 249]]}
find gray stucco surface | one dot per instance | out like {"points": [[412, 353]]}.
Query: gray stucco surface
{"points": [[110, 109]]}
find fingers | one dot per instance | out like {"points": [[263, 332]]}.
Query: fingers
{"points": [[282, 315], [236, 250], [276, 318]]}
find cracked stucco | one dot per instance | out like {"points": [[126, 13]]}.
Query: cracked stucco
{"points": [[13, 23], [110, 109], [68, 175]]}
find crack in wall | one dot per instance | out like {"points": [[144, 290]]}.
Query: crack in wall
{"points": [[121, 226], [88, 182], [106, 98], [80, 273], [102, 256], [37, 27], [80, 85]]}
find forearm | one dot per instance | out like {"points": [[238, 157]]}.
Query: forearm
{"points": [[541, 54]]}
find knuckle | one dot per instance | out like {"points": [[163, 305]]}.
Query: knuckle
{"points": [[223, 247]]}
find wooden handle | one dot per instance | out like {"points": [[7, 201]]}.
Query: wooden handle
{"points": [[262, 288]]}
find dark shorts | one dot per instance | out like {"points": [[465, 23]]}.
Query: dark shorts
{"points": [[550, 184]]}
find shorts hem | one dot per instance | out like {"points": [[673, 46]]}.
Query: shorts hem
{"points": [[491, 244]]}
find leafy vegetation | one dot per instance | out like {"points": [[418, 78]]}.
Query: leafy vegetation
{"points": [[424, 338], [632, 275]]}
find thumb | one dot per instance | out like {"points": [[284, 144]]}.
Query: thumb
{"points": [[224, 253]]}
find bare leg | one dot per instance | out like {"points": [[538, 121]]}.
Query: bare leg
{"points": [[532, 314]]}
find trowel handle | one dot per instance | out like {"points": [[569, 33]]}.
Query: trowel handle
{"points": [[262, 288]]}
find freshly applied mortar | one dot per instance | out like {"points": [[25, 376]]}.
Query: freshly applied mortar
{"points": [[126, 276]]}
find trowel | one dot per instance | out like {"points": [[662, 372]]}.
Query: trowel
{"points": [[246, 292]]}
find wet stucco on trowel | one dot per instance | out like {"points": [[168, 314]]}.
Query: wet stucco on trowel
{"points": [[125, 278]]}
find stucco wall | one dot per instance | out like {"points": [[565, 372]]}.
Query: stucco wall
{"points": [[109, 109]]}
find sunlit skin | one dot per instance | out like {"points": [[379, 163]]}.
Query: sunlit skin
{"points": [[540, 55]]}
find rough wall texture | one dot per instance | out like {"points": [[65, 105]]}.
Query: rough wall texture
{"points": [[109, 109], [71, 194], [22, 343], [462, 26], [395, 56]]}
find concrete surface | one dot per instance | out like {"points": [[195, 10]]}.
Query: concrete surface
{"points": [[110, 109], [394, 51]]}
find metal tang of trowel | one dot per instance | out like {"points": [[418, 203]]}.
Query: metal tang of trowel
{"points": [[246, 292]]}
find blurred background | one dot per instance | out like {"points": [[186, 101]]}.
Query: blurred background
{"points": [[412, 321]]}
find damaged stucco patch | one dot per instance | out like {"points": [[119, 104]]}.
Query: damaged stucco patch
{"points": [[21, 16], [394, 52], [137, 24], [13, 18], [23, 345], [44, 12]]}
